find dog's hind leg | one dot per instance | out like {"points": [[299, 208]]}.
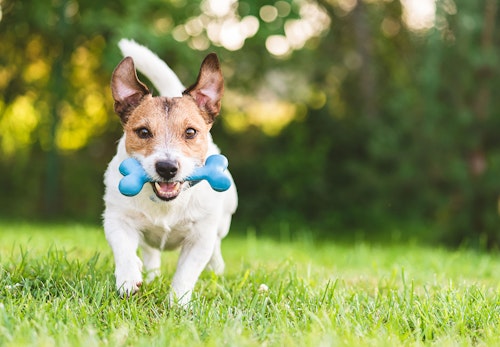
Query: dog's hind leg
{"points": [[151, 259], [216, 263]]}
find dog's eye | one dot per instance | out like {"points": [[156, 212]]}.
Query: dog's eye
{"points": [[190, 133], [143, 133]]}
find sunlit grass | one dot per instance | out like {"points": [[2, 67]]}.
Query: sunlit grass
{"points": [[56, 289]]}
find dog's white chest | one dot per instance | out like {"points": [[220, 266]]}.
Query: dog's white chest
{"points": [[165, 237]]}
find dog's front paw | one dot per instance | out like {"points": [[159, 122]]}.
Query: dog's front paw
{"points": [[129, 279], [128, 288]]}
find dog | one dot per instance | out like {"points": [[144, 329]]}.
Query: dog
{"points": [[170, 136]]}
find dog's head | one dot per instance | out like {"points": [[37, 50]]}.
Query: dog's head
{"points": [[169, 136]]}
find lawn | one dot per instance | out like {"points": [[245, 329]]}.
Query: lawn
{"points": [[57, 290]]}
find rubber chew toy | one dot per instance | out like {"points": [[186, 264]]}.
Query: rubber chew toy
{"points": [[214, 172], [134, 177]]}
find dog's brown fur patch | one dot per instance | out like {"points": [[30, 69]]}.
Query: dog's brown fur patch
{"points": [[167, 120]]}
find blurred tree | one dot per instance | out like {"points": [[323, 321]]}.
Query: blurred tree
{"points": [[48, 63], [338, 114]]}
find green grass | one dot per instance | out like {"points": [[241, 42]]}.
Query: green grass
{"points": [[57, 290]]}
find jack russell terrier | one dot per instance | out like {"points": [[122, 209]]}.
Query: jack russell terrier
{"points": [[170, 136]]}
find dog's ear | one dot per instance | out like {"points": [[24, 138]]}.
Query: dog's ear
{"points": [[209, 87], [127, 90]]}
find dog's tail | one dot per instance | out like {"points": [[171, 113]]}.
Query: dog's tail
{"points": [[156, 70]]}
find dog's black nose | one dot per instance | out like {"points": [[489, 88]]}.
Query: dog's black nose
{"points": [[167, 169]]}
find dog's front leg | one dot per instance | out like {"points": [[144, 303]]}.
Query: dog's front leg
{"points": [[194, 257], [124, 241]]}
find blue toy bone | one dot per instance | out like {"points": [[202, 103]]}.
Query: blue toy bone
{"points": [[134, 177], [214, 172]]}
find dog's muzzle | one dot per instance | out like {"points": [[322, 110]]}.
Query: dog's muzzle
{"points": [[168, 189], [167, 169]]}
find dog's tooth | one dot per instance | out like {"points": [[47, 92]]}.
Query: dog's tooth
{"points": [[167, 189]]}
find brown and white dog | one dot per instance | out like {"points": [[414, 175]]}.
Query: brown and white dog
{"points": [[170, 136]]}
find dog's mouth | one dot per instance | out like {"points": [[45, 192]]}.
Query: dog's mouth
{"points": [[167, 190]]}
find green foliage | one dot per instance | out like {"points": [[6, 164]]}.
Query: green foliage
{"points": [[57, 288], [364, 124]]}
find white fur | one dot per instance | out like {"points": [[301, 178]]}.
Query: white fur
{"points": [[196, 220]]}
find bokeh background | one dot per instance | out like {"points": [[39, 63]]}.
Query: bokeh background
{"points": [[342, 118]]}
